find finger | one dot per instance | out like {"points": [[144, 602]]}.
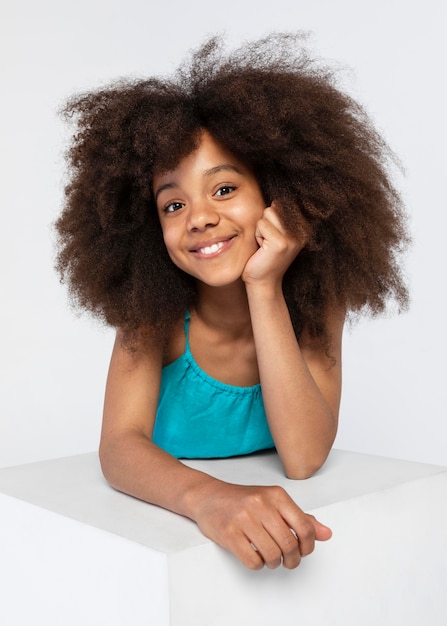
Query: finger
{"points": [[303, 526], [310, 530], [305, 533], [272, 216], [267, 233], [290, 548], [272, 230], [269, 550], [258, 235], [250, 556], [284, 541], [246, 551]]}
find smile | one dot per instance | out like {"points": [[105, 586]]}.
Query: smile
{"points": [[213, 248]]}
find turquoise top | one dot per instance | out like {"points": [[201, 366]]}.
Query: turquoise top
{"points": [[200, 417]]}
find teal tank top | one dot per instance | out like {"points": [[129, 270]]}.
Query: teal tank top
{"points": [[200, 417]]}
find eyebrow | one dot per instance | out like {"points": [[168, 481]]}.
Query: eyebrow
{"points": [[225, 167], [219, 168], [162, 188]]}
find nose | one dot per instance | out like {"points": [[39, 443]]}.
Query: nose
{"points": [[202, 214]]}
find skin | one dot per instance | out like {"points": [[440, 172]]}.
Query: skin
{"points": [[216, 228]]}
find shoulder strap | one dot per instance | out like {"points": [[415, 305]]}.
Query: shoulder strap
{"points": [[186, 327]]}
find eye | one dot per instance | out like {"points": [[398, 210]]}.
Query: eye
{"points": [[172, 207], [225, 190]]}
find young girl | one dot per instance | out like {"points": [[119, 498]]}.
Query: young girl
{"points": [[226, 221]]}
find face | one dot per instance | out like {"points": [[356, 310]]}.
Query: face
{"points": [[208, 208]]}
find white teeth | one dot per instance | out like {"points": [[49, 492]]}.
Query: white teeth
{"points": [[211, 249]]}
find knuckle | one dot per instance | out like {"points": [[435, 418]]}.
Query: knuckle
{"points": [[307, 539], [272, 558], [274, 564], [290, 545], [241, 517], [257, 497], [309, 550], [278, 492], [292, 563], [256, 500], [229, 534], [307, 531], [253, 562]]}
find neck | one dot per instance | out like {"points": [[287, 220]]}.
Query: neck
{"points": [[224, 307]]}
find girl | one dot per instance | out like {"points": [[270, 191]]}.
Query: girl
{"points": [[226, 221]]}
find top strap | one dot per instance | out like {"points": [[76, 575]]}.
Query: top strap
{"points": [[186, 327]]}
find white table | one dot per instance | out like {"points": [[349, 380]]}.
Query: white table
{"points": [[74, 552]]}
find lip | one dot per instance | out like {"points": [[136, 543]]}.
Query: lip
{"points": [[212, 247]]}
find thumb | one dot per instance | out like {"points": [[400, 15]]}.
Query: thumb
{"points": [[322, 532]]}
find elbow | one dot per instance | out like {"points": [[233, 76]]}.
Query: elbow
{"points": [[306, 461], [300, 473], [104, 460], [108, 461], [303, 468]]}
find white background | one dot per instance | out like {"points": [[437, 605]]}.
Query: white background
{"points": [[53, 364]]}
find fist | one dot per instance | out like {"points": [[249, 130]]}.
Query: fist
{"points": [[277, 249]]}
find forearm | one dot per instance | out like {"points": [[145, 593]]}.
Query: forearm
{"points": [[302, 422], [234, 516], [131, 463]]}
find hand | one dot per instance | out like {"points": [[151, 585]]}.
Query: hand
{"points": [[276, 250], [260, 525]]}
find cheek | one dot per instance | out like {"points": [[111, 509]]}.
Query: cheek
{"points": [[252, 218], [171, 241], [250, 212]]}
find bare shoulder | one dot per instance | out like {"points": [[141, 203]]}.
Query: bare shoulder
{"points": [[174, 345], [133, 385]]}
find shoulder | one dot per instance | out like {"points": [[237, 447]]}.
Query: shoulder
{"points": [[174, 342], [133, 350], [133, 385]]}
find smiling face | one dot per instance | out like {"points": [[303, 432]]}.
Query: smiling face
{"points": [[208, 208]]}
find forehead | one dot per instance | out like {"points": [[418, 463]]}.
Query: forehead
{"points": [[208, 157]]}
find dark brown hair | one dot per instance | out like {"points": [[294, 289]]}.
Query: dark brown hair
{"points": [[311, 147]]}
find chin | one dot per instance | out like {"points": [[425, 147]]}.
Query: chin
{"points": [[220, 283]]}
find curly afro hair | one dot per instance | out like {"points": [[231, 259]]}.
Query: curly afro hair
{"points": [[312, 148]]}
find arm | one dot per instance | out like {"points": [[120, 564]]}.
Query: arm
{"points": [[129, 459], [301, 385], [234, 516]]}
